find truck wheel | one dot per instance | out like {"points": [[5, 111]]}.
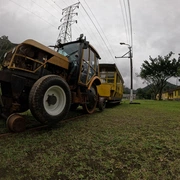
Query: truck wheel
{"points": [[50, 99], [91, 100]]}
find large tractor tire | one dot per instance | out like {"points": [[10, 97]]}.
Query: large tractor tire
{"points": [[91, 100], [50, 99]]}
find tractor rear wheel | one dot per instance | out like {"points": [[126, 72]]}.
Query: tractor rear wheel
{"points": [[91, 100], [50, 99]]}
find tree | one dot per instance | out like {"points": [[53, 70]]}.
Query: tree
{"points": [[156, 72], [5, 45], [126, 90], [140, 94]]}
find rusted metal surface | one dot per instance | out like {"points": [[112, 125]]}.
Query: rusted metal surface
{"points": [[58, 57], [16, 123], [1, 102], [5, 76], [17, 84]]}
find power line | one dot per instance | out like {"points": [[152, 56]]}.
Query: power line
{"points": [[130, 23], [89, 28], [33, 13], [84, 26], [120, 2], [65, 34], [97, 31], [78, 32], [97, 22], [94, 36], [51, 5], [57, 5], [44, 9], [126, 20]]}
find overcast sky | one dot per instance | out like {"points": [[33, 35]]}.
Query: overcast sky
{"points": [[155, 27]]}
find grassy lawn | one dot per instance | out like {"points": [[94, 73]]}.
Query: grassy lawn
{"points": [[129, 141]]}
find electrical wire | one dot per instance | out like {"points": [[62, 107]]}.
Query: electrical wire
{"points": [[126, 21], [57, 5], [130, 20], [97, 23], [97, 31], [88, 25], [51, 5], [33, 13], [85, 27], [79, 29], [44, 9], [126, 31], [95, 36]]}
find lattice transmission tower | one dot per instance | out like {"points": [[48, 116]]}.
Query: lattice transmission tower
{"points": [[65, 34]]}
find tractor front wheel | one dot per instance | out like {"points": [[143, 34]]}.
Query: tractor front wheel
{"points": [[50, 99], [91, 100]]}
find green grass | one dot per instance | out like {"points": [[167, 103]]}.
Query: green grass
{"points": [[130, 141]]}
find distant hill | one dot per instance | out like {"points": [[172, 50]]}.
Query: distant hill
{"points": [[146, 92], [166, 88]]}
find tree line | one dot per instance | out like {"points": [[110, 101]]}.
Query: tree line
{"points": [[5, 45]]}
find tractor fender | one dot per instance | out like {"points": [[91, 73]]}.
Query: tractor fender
{"points": [[96, 80]]}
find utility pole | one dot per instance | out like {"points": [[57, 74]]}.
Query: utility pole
{"points": [[65, 34], [131, 69]]}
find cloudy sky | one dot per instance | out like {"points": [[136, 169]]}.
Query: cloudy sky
{"points": [[155, 27]]}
